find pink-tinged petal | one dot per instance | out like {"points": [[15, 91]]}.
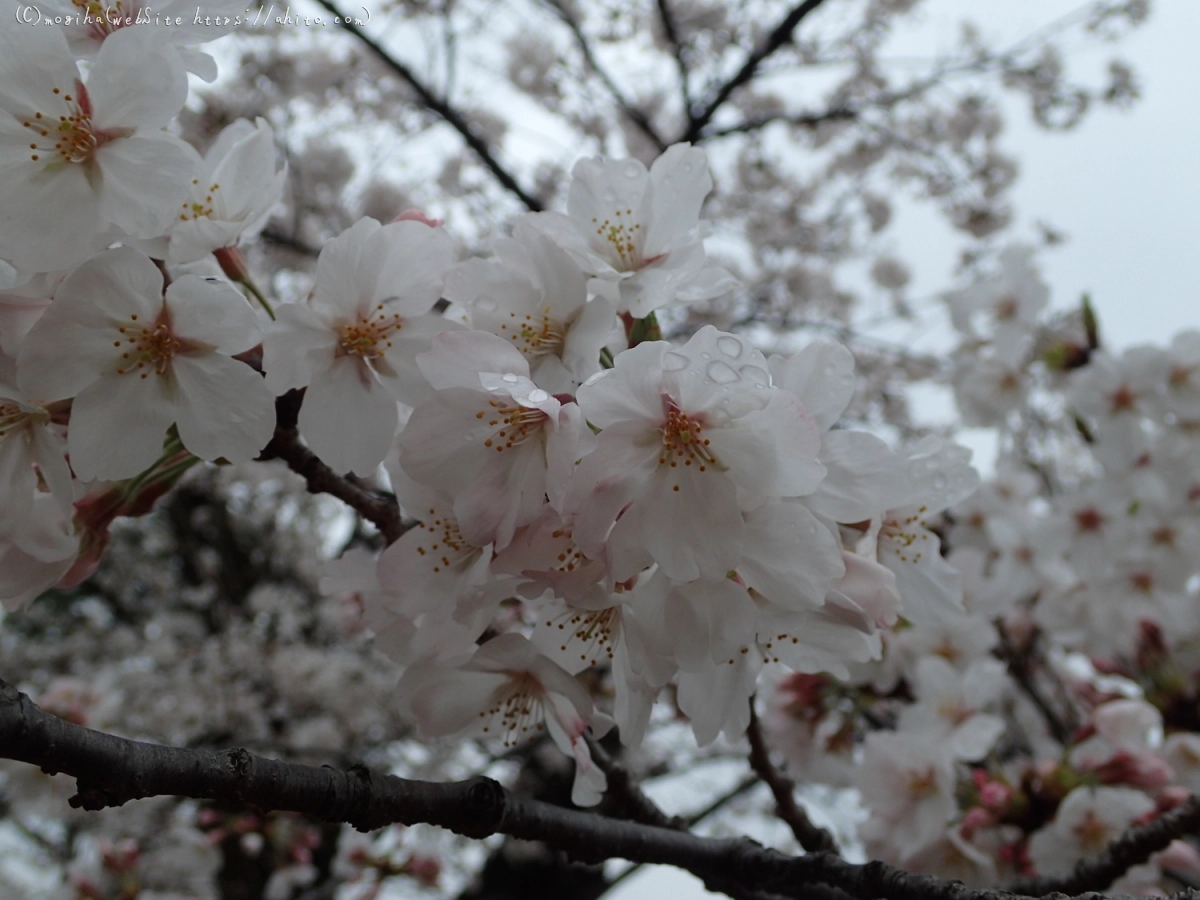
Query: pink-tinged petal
{"points": [[679, 182], [631, 390], [118, 424], [928, 584], [296, 348], [33, 61], [223, 409], [790, 558], [348, 419], [863, 477], [456, 358], [130, 60], [72, 343], [822, 376], [144, 180], [494, 505], [710, 622], [771, 452], [37, 556], [47, 451], [213, 314], [565, 446]]}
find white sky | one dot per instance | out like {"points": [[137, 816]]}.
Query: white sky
{"points": [[1125, 187]]}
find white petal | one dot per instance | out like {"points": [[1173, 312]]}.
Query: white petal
{"points": [[213, 314], [117, 426], [679, 182], [822, 376], [348, 419], [789, 557], [144, 179], [224, 408], [129, 61]]}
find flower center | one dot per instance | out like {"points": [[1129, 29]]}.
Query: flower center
{"points": [[904, 537], [149, 348], [71, 138], [106, 19], [683, 440], [13, 417], [517, 708], [448, 550], [622, 238], [199, 209], [591, 632], [369, 338], [515, 424], [536, 340]]}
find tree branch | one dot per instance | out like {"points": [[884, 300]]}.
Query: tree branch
{"points": [[776, 39], [442, 107], [111, 771], [812, 837], [380, 510], [631, 112], [671, 30], [1131, 849], [1021, 669]]}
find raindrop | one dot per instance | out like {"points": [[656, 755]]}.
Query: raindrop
{"points": [[603, 373], [687, 167], [632, 170], [487, 304], [537, 395], [939, 481], [706, 356], [510, 377], [730, 346], [721, 373], [610, 196], [673, 362], [759, 376]]}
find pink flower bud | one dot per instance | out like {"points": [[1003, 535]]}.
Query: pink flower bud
{"points": [[976, 817], [995, 796], [417, 215]]}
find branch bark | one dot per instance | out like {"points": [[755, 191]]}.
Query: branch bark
{"points": [[111, 771], [812, 837], [442, 108]]}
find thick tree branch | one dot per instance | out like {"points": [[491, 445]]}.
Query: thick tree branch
{"points": [[781, 35], [436, 104], [1131, 849], [380, 510], [631, 112], [111, 771], [812, 837]]}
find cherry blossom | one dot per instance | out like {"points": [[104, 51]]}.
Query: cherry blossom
{"points": [[231, 195], [135, 362], [28, 446], [354, 342], [84, 163], [533, 295], [508, 690], [1086, 822], [638, 233]]}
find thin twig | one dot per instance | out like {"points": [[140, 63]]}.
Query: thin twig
{"points": [[671, 30], [812, 838], [442, 107]]}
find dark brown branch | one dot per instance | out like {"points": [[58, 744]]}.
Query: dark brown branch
{"points": [[436, 104], [626, 795], [1020, 667], [278, 238], [1131, 849], [782, 34], [812, 837], [803, 120], [111, 771], [671, 30], [382, 511], [631, 112]]}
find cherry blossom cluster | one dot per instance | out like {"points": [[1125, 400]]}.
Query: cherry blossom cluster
{"points": [[584, 497], [1020, 734]]}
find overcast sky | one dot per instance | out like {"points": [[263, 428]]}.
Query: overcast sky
{"points": [[1124, 187]]}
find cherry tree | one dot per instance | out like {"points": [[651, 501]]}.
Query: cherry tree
{"points": [[472, 487]]}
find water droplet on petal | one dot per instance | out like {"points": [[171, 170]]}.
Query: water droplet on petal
{"points": [[706, 356], [537, 395], [687, 167], [610, 196], [632, 169], [510, 377], [939, 481], [757, 374], [603, 373], [729, 345], [673, 362], [721, 373], [487, 304]]}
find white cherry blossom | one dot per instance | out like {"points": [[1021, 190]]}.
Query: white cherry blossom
{"points": [[637, 232], [82, 163], [354, 342], [136, 362], [231, 195], [508, 690], [28, 445], [1086, 822]]}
